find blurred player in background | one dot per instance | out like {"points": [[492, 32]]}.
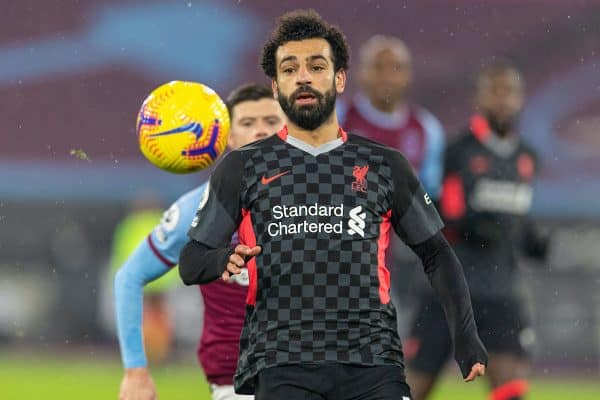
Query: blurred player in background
{"points": [[382, 111], [314, 208], [145, 212], [486, 195], [255, 114]]}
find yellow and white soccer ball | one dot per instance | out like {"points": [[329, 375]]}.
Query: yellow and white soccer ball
{"points": [[182, 126]]}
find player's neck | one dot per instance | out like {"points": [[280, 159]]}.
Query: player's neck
{"points": [[325, 133], [388, 106]]}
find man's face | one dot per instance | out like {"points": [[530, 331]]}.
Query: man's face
{"points": [[254, 120], [500, 98], [386, 75], [306, 85]]}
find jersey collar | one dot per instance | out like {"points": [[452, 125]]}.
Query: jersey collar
{"points": [[394, 120], [503, 147], [315, 151]]}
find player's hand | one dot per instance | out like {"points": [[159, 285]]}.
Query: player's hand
{"points": [[477, 370], [238, 259], [137, 384]]}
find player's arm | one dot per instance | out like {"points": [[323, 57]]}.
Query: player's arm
{"points": [[453, 197], [446, 276], [535, 241], [140, 268], [417, 222], [208, 253], [152, 259], [433, 162]]}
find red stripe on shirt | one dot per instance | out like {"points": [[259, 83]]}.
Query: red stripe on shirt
{"points": [[248, 238], [156, 252], [382, 272]]}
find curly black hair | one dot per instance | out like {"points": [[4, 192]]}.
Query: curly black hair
{"points": [[300, 25]]}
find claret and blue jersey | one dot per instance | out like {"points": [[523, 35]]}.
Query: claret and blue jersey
{"points": [[223, 302]]}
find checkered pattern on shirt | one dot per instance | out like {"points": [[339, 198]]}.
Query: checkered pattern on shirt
{"points": [[317, 293]]}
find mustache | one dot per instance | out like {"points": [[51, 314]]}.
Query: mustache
{"points": [[305, 89]]}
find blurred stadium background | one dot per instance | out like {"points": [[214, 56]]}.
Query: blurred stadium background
{"points": [[73, 74]]}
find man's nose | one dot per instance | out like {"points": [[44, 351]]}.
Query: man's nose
{"points": [[304, 76], [262, 131]]}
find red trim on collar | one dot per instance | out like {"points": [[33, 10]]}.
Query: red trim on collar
{"points": [[343, 134], [283, 134], [480, 127]]}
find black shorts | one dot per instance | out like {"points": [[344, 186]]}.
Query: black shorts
{"points": [[502, 327], [332, 382]]}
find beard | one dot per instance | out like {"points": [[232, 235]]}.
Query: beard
{"points": [[308, 116], [502, 127]]}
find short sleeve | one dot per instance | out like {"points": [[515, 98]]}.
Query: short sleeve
{"points": [[170, 235], [219, 210]]}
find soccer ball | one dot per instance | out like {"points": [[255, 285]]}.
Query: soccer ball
{"points": [[182, 127]]}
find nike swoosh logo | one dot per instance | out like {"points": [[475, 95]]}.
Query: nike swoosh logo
{"points": [[193, 127], [266, 181]]}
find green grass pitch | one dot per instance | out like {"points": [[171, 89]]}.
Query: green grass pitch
{"points": [[97, 377]]}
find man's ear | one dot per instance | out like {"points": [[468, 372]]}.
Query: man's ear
{"points": [[274, 88], [340, 81]]}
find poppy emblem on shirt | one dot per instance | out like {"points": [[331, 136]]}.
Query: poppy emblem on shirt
{"points": [[360, 176]]}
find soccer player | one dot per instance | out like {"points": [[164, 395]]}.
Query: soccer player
{"points": [[485, 198], [313, 207], [382, 111], [255, 114]]}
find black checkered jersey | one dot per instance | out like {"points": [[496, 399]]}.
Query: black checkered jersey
{"points": [[319, 290]]}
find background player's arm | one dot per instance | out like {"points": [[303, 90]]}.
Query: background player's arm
{"points": [[432, 167], [534, 241], [141, 267], [453, 196], [208, 254], [417, 222], [149, 262]]}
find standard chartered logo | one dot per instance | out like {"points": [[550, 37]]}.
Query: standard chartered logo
{"points": [[315, 218], [356, 223], [282, 212]]}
